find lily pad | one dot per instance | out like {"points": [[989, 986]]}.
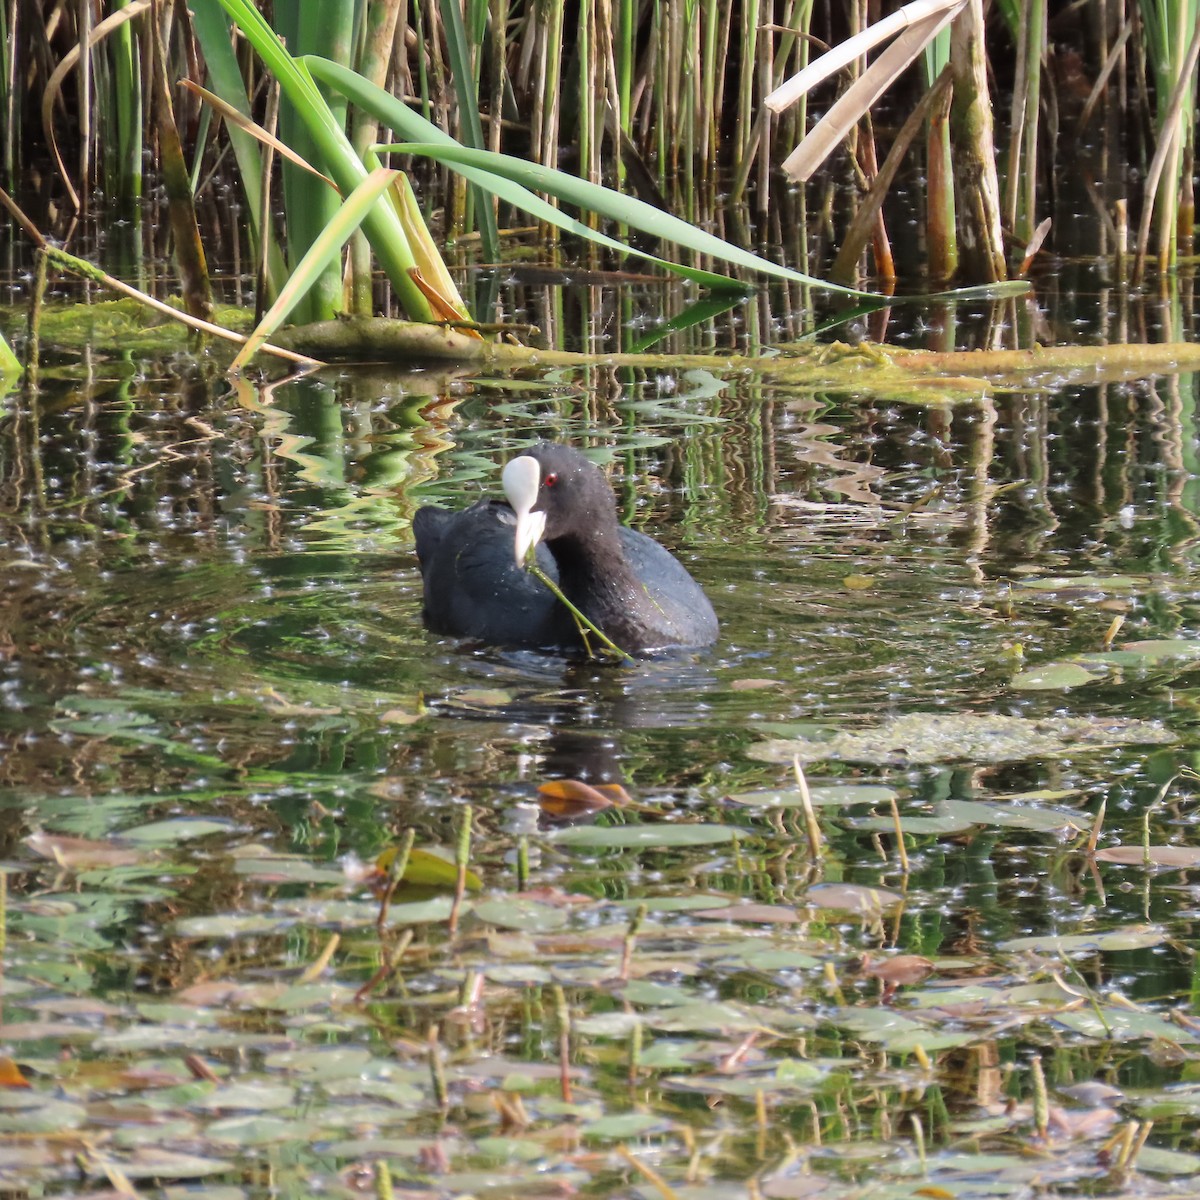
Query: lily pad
{"points": [[512, 912], [836, 796], [938, 826], [1088, 583], [1136, 937], [1041, 818], [1054, 677], [612, 837], [666, 904], [1114, 1024], [964, 737], [177, 829], [1157, 1160], [621, 1126], [1164, 648], [852, 897]]}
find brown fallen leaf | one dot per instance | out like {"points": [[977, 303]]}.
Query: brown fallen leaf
{"points": [[553, 896], [900, 970], [1158, 856], [763, 914]]}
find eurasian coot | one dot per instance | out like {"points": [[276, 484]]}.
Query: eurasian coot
{"points": [[625, 582]]}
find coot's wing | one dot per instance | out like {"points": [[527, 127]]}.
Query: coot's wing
{"points": [[473, 586], [677, 607]]}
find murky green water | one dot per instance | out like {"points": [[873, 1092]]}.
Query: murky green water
{"points": [[213, 670]]}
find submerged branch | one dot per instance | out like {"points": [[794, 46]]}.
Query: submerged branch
{"points": [[919, 376]]}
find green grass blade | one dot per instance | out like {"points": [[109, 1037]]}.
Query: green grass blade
{"points": [[521, 197], [321, 253], [10, 364], [626, 209], [395, 113], [702, 311], [381, 224], [468, 111]]}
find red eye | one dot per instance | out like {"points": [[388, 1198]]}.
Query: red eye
{"points": [[550, 479]]}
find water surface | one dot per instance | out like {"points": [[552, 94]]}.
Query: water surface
{"points": [[214, 671]]}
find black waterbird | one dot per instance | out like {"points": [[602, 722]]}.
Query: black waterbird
{"points": [[628, 585]]}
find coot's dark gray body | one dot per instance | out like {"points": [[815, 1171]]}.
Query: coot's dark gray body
{"points": [[630, 586]]}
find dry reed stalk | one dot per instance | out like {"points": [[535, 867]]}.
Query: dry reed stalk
{"points": [[981, 243]]}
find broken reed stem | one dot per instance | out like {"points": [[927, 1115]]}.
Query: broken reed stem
{"points": [[1137, 1142], [1118, 1146], [832, 984], [635, 1051], [523, 863], [437, 1070], [581, 622], [1158, 799], [630, 939], [649, 1174], [563, 1013], [1097, 825], [383, 1181], [33, 351], [1113, 629], [919, 1137], [386, 969], [315, 969], [462, 856], [761, 1124], [396, 870], [1041, 1103], [79, 266], [901, 849], [812, 828]]}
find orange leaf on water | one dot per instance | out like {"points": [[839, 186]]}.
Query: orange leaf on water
{"points": [[10, 1074], [573, 797]]}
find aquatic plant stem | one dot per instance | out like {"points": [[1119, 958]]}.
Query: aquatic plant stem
{"points": [[1097, 825], [901, 849], [522, 863], [395, 873], [581, 622], [811, 825], [627, 946], [919, 1139], [386, 969], [563, 1013], [462, 857], [1041, 1102], [383, 1181], [317, 967], [665, 1190], [437, 1070]]}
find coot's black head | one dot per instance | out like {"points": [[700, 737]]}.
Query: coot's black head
{"points": [[557, 493]]}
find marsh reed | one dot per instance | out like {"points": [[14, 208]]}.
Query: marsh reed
{"points": [[660, 98]]}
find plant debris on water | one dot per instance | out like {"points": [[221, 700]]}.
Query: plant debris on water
{"points": [[300, 898]]}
